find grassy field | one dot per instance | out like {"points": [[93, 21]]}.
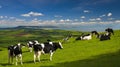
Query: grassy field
{"points": [[92, 53]]}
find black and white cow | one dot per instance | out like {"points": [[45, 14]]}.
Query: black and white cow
{"points": [[30, 45], [104, 36], [84, 37], [87, 37], [45, 48], [37, 47], [48, 48], [109, 30], [15, 51]]}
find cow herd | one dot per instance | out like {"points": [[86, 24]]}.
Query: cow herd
{"points": [[102, 37], [50, 47], [38, 48]]}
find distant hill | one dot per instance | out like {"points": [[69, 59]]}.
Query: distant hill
{"points": [[30, 27]]}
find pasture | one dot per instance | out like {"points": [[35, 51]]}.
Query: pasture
{"points": [[81, 53]]}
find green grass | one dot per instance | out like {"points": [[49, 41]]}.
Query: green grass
{"points": [[92, 53]]}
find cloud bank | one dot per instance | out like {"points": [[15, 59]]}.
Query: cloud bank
{"points": [[30, 14]]}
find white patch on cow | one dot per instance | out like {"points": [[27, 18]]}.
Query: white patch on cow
{"points": [[42, 45], [107, 33], [42, 48], [60, 44], [87, 37], [51, 43], [30, 42], [36, 42], [15, 47], [18, 44]]}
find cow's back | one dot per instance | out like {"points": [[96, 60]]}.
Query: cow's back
{"points": [[47, 48], [37, 47], [17, 50]]}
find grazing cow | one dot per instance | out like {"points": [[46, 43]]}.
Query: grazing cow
{"points": [[15, 50], [104, 37], [67, 38], [45, 48], [30, 45], [109, 30]]}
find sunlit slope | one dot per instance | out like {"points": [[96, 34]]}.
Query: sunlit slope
{"points": [[92, 53]]}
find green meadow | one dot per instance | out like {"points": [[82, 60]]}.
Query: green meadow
{"points": [[81, 53]]}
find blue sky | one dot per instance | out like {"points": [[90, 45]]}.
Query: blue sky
{"points": [[59, 12]]}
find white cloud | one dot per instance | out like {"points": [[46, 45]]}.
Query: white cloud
{"points": [[6, 16], [75, 19], [36, 20], [32, 14], [103, 15], [98, 19], [117, 21], [25, 15], [11, 17], [57, 16], [95, 19], [82, 17], [62, 20], [1, 17], [68, 20], [109, 14], [86, 11], [92, 19], [20, 20]]}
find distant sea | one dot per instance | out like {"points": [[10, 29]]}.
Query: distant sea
{"points": [[99, 27]]}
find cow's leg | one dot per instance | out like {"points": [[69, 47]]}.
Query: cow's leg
{"points": [[21, 59], [30, 48], [16, 59], [35, 54], [9, 56], [51, 54], [39, 54], [12, 59]]}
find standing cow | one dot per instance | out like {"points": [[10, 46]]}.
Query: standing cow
{"points": [[15, 50], [45, 48]]}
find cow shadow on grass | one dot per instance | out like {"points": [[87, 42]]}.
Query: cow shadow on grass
{"points": [[5, 64], [1, 50], [42, 60], [29, 62], [105, 60]]}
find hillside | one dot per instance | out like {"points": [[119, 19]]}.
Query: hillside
{"points": [[92, 53]]}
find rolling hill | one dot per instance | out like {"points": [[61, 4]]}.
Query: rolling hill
{"points": [[85, 53]]}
